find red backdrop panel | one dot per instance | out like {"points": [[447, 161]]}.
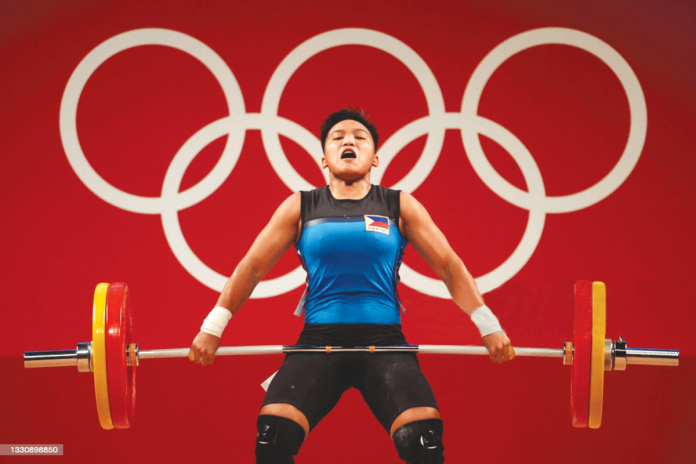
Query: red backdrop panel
{"points": [[565, 97]]}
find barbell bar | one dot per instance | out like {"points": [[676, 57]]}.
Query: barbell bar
{"points": [[74, 358], [113, 359]]}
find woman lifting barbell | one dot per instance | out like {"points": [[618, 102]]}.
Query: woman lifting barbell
{"points": [[350, 237]]}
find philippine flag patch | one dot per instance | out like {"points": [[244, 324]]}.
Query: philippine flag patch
{"points": [[375, 223]]}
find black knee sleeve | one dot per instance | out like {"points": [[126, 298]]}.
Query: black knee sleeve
{"points": [[420, 442], [278, 440]]}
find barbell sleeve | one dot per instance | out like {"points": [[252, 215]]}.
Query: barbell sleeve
{"points": [[652, 357], [80, 357], [57, 358]]}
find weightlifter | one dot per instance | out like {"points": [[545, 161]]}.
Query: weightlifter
{"points": [[350, 237]]}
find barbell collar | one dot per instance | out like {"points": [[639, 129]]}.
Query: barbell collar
{"points": [[84, 357], [608, 355], [133, 357], [619, 354]]}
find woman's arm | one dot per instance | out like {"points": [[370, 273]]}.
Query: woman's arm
{"points": [[430, 243], [281, 232]]}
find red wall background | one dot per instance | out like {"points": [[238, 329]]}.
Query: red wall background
{"points": [[138, 108]]}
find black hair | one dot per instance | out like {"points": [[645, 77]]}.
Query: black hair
{"points": [[348, 113]]}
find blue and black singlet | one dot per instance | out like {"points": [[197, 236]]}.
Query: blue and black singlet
{"points": [[352, 251]]}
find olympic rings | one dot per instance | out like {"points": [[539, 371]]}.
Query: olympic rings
{"points": [[272, 125]]}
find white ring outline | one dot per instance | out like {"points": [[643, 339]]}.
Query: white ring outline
{"points": [[370, 38], [535, 200], [535, 222], [170, 217], [636, 103], [76, 84]]}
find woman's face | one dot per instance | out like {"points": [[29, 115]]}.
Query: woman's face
{"points": [[349, 151]]}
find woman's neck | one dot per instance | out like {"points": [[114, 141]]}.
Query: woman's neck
{"points": [[342, 190]]}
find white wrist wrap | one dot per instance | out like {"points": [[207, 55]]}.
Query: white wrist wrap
{"points": [[486, 321], [216, 321]]}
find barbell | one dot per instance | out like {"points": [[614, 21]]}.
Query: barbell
{"points": [[113, 359]]}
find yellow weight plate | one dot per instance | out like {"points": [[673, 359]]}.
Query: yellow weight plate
{"points": [[599, 330], [101, 384]]}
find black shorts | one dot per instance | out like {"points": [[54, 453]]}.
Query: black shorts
{"points": [[390, 383]]}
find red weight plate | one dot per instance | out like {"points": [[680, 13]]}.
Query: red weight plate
{"points": [[582, 357], [130, 400], [121, 375]]}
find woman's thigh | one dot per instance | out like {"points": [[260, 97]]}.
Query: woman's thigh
{"points": [[312, 383], [392, 383]]}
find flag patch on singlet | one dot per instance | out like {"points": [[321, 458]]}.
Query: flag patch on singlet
{"points": [[375, 223]]}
